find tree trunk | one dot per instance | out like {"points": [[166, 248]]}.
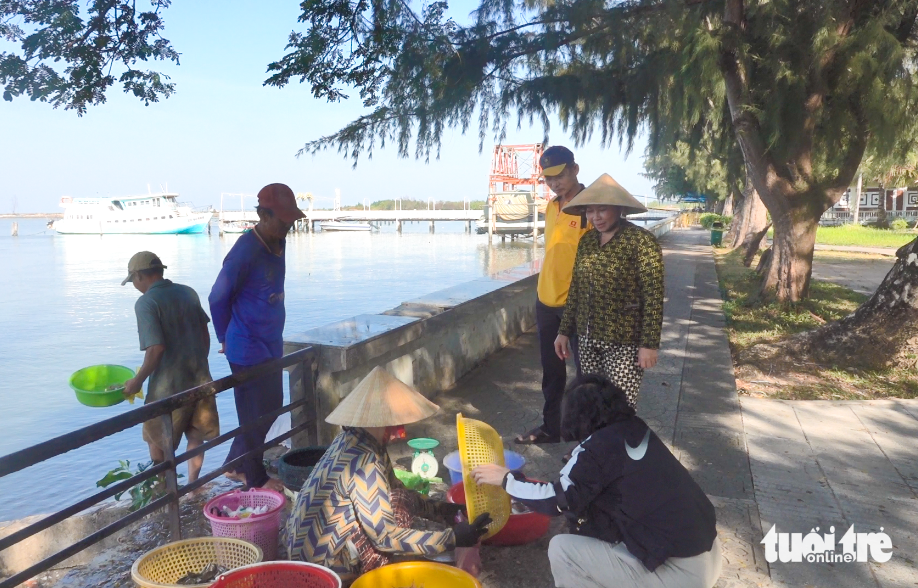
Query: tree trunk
{"points": [[752, 245], [788, 276], [736, 224], [857, 198], [750, 218], [882, 220], [882, 333], [728, 206]]}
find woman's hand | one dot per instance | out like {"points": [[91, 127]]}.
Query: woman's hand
{"points": [[647, 358], [490, 473], [563, 346]]}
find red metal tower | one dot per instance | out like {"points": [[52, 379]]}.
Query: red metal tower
{"points": [[515, 168]]}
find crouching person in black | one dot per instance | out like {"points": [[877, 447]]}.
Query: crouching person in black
{"points": [[637, 518]]}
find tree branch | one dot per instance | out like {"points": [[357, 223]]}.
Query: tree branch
{"points": [[762, 168]]}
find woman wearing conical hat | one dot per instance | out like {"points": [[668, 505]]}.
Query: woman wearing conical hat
{"points": [[615, 302], [352, 514]]}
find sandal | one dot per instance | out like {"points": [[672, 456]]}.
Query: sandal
{"points": [[536, 436]]}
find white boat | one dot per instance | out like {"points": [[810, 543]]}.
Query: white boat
{"points": [[345, 226], [236, 226], [148, 214]]}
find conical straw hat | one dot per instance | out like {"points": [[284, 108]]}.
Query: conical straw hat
{"points": [[381, 400], [605, 192]]}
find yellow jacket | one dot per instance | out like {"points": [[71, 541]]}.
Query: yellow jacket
{"points": [[562, 235]]}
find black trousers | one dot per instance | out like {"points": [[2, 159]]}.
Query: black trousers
{"points": [[554, 369], [253, 399]]}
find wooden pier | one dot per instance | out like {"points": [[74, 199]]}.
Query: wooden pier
{"points": [[394, 216]]}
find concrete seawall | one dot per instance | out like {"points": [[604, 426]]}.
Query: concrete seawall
{"points": [[429, 342]]}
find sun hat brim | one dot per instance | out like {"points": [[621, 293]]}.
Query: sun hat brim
{"points": [[381, 400], [605, 191]]}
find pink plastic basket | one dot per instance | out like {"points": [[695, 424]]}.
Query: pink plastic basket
{"points": [[262, 530]]}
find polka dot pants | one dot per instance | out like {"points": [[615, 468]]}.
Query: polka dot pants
{"points": [[615, 361]]}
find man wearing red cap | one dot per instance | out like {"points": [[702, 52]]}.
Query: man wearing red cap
{"points": [[247, 306]]}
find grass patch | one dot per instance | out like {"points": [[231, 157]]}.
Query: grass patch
{"points": [[750, 322], [856, 235], [860, 236]]}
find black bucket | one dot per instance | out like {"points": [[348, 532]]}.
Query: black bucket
{"points": [[295, 466]]}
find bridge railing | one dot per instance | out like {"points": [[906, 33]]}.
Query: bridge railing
{"points": [[301, 366]]}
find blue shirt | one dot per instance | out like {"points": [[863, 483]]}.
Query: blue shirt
{"points": [[247, 302]]}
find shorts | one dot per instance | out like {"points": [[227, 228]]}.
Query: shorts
{"points": [[200, 421]]}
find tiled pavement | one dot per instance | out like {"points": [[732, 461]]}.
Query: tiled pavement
{"points": [[795, 464], [689, 399]]}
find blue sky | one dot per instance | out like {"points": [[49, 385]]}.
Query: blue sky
{"points": [[222, 131]]}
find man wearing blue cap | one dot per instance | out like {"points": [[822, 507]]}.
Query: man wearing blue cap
{"points": [[562, 235]]}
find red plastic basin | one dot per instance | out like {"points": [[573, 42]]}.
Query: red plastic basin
{"points": [[520, 528]]}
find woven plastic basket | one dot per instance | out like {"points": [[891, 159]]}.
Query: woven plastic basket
{"points": [[280, 574], [262, 530], [479, 444], [162, 567]]}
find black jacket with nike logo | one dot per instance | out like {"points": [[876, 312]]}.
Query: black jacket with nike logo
{"points": [[623, 484]]}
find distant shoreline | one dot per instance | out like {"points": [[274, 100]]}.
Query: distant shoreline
{"points": [[33, 215]]}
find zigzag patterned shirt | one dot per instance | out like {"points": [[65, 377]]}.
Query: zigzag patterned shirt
{"points": [[348, 491], [616, 293]]}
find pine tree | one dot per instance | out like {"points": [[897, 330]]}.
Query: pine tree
{"points": [[810, 86]]}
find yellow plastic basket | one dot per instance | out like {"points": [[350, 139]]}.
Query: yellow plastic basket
{"points": [[479, 444], [162, 567], [419, 574]]}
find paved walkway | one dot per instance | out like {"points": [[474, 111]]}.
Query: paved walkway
{"points": [[841, 463], [861, 274], [795, 464], [888, 251], [689, 398]]}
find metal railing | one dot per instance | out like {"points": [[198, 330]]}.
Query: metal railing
{"points": [[303, 408], [832, 216]]}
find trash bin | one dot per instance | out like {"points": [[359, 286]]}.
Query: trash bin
{"points": [[717, 233]]}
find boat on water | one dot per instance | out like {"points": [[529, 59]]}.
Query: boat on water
{"points": [[513, 214], [236, 226], [336, 225], [148, 214]]}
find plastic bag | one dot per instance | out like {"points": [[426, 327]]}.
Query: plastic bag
{"points": [[468, 559]]}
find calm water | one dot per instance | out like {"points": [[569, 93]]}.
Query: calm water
{"points": [[63, 308]]}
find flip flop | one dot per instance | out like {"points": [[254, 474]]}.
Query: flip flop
{"points": [[536, 436]]}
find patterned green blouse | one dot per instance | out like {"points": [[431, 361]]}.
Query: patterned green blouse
{"points": [[616, 293]]}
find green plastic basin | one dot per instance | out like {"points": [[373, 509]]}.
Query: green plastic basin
{"points": [[90, 384]]}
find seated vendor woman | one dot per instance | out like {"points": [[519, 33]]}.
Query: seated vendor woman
{"points": [[352, 514], [637, 518]]}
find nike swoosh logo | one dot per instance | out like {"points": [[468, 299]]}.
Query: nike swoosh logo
{"points": [[637, 453]]}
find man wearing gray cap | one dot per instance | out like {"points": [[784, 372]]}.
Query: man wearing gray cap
{"points": [[173, 334]]}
